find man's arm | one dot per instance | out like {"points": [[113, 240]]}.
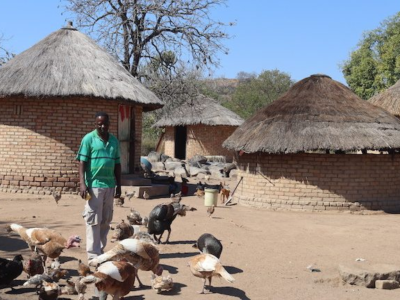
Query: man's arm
{"points": [[117, 174], [82, 188]]}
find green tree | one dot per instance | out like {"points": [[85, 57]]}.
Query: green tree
{"points": [[375, 64], [254, 92]]}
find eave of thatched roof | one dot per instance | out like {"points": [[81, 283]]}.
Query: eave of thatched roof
{"points": [[69, 63], [317, 113], [388, 99], [201, 110]]}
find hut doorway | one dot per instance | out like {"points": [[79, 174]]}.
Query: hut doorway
{"points": [[180, 142], [126, 137]]}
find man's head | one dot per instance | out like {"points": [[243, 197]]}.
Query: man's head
{"points": [[102, 123]]}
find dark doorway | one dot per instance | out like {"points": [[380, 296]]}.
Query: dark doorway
{"points": [[180, 142]]}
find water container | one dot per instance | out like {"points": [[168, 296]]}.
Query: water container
{"points": [[210, 197]]}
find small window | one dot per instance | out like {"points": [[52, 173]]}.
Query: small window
{"points": [[18, 110]]}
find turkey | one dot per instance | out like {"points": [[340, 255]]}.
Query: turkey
{"points": [[116, 278], [207, 266], [47, 241], [9, 270], [207, 243], [143, 256], [162, 216]]}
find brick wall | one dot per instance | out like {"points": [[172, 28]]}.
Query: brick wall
{"points": [[202, 140], [320, 182], [40, 138]]}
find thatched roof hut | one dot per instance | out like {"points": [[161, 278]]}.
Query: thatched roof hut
{"points": [[49, 95], [198, 126], [281, 164], [68, 63], [388, 99]]}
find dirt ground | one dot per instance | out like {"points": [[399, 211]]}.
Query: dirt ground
{"points": [[267, 252]]}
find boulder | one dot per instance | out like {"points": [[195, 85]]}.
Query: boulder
{"points": [[367, 274]]}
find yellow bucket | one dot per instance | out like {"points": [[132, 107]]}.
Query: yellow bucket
{"points": [[210, 197]]}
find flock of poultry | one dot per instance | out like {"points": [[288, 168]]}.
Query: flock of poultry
{"points": [[116, 270]]}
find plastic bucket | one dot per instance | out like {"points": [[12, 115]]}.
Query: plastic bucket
{"points": [[210, 197]]}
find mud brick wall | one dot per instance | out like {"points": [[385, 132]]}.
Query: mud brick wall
{"points": [[202, 140], [40, 139], [320, 182]]}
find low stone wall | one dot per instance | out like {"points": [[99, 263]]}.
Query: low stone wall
{"points": [[320, 182]]}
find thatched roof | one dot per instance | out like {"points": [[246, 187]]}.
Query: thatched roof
{"points": [[317, 113], [388, 99], [201, 110], [69, 63]]}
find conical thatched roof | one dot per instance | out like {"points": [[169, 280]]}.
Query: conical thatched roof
{"points": [[317, 113], [69, 63], [388, 99], [201, 110]]}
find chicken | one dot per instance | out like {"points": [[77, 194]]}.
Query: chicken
{"points": [[116, 278], [206, 266], [146, 195], [210, 210], [119, 201], [199, 189], [161, 283], [38, 280], [57, 274], [69, 288], [145, 221], [130, 195], [49, 291], [143, 255], [9, 270], [124, 231], [83, 269], [47, 241], [56, 196], [33, 265], [176, 197], [56, 264], [162, 216], [144, 236], [207, 243], [134, 217]]}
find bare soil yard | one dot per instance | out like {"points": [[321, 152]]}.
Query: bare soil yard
{"points": [[267, 252]]}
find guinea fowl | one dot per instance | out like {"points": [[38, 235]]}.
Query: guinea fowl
{"points": [[207, 243], [207, 266], [162, 216], [143, 255], [9, 270], [116, 278], [47, 241]]}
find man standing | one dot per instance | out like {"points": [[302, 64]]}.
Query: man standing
{"points": [[100, 182]]}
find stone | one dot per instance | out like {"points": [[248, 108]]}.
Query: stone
{"points": [[365, 274], [386, 284]]}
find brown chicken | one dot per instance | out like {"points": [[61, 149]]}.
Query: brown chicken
{"points": [[206, 266], [83, 269], [49, 291], [33, 265], [123, 231], [114, 277], [47, 241], [161, 283]]}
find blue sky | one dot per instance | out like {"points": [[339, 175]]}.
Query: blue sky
{"points": [[300, 38]]}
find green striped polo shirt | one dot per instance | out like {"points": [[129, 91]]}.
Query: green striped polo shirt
{"points": [[100, 158]]}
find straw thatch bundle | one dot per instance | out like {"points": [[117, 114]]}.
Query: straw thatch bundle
{"points": [[317, 113], [68, 63], [388, 99], [200, 110]]}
